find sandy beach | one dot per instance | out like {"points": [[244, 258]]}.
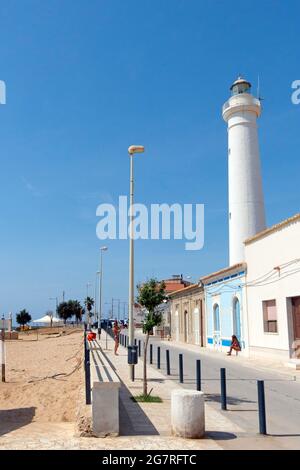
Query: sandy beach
{"points": [[39, 404], [43, 379]]}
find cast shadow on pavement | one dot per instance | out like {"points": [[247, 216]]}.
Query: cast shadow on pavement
{"points": [[230, 400], [220, 435], [15, 418], [133, 420]]}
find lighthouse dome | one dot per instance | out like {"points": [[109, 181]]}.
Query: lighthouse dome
{"points": [[240, 86]]}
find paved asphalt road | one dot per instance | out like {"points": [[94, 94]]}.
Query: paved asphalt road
{"points": [[282, 392]]}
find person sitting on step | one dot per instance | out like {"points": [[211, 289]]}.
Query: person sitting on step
{"points": [[235, 345]]}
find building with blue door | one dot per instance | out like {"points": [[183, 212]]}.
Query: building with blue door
{"points": [[225, 307]]}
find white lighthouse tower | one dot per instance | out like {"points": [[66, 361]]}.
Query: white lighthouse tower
{"points": [[246, 202]]}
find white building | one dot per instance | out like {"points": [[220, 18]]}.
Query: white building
{"points": [[246, 202], [273, 291]]}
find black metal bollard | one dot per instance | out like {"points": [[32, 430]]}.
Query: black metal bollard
{"points": [[168, 362], [135, 342], [261, 407], [158, 357], [198, 375], [181, 368], [140, 348], [151, 353], [87, 378], [84, 343], [223, 389]]}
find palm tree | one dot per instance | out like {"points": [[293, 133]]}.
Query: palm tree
{"points": [[72, 308], [89, 302], [76, 309], [63, 311]]}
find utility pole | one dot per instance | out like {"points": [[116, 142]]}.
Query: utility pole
{"points": [[56, 302]]}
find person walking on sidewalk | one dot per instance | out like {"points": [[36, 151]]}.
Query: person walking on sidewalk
{"points": [[116, 332], [235, 344]]}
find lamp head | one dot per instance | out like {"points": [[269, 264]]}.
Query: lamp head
{"points": [[136, 149]]}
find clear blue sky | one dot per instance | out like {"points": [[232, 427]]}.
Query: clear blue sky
{"points": [[85, 79]]}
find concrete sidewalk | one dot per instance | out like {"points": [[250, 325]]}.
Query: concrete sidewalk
{"points": [[240, 422], [151, 422]]}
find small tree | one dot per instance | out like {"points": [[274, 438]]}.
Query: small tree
{"points": [[89, 302], [150, 295], [23, 317]]}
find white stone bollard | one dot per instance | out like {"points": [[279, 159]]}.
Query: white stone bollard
{"points": [[187, 413]]}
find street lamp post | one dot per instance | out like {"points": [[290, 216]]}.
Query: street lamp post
{"points": [[106, 323], [103, 248], [132, 150], [96, 296], [124, 310], [88, 285]]}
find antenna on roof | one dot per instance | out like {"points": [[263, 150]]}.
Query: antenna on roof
{"points": [[258, 89]]}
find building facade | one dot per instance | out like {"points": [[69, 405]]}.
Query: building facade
{"points": [[187, 315], [225, 307], [273, 291]]}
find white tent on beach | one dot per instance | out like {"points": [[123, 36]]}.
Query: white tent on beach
{"points": [[47, 319]]}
